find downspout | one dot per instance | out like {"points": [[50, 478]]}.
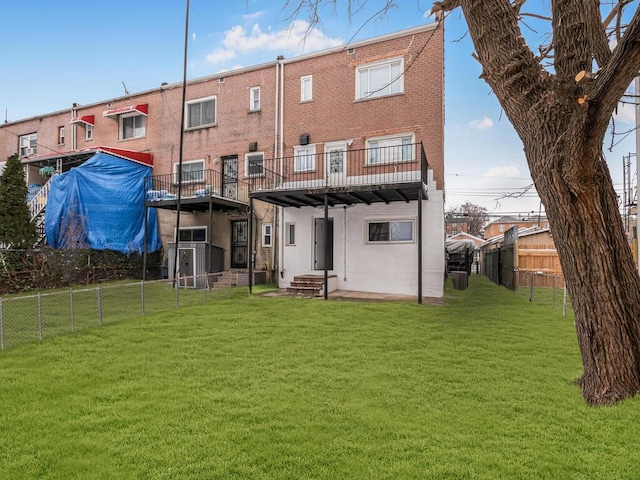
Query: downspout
{"points": [[276, 236]]}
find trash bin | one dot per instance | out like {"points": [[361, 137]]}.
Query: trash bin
{"points": [[460, 280]]}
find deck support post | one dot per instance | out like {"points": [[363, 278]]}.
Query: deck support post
{"points": [[144, 248], [250, 246], [326, 246], [420, 194]]}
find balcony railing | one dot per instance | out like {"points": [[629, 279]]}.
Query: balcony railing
{"points": [[340, 169], [200, 183], [371, 166]]}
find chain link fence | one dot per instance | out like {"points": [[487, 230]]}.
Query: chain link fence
{"points": [[34, 317]]}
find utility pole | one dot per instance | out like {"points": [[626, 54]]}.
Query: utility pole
{"points": [[637, 103]]}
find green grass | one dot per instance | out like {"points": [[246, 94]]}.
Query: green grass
{"points": [[286, 388]]}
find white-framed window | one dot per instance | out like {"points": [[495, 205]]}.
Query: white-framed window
{"points": [[60, 135], [254, 164], [201, 112], [28, 144], [192, 234], [390, 231], [305, 158], [290, 234], [192, 171], [391, 149], [267, 235], [132, 125], [254, 99], [88, 131], [306, 88], [379, 79]]}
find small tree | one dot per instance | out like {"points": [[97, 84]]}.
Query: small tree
{"points": [[16, 229], [476, 214]]}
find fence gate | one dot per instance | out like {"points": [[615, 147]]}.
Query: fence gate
{"points": [[507, 267]]}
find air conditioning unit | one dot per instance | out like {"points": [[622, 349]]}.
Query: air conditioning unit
{"points": [[30, 151]]}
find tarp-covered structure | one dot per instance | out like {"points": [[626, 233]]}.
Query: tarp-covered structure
{"points": [[101, 205]]}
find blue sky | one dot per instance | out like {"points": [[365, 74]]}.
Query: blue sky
{"points": [[53, 54]]}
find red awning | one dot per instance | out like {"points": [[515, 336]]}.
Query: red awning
{"points": [[133, 156], [142, 108], [88, 119], [139, 157]]}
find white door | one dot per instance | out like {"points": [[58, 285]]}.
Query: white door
{"points": [[335, 163]]}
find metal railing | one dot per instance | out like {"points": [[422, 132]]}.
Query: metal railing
{"points": [[368, 166], [32, 318], [200, 183]]}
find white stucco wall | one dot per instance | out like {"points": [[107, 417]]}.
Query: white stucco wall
{"points": [[366, 267]]}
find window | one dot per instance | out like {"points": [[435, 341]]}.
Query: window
{"points": [[132, 126], [192, 172], [305, 158], [201, 113], [393, 231], [290, 234], [306, 88], [28, 144], [254, 164], [193, 234], [60, 135], [254, 99], [267, 236], [390, 149], [88, 131], [380, 79]]}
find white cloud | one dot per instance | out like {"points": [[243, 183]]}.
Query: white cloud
{"points": [[508, 171], [220, 56], [253, 16], [194, 36], [626, 113], [482, 124], [298, 38]]}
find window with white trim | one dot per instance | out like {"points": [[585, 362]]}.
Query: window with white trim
{"points": [[254, 164], [201, 113], [267, 235], [60, 135], [132, 125], [305, 158], [88, 131], [391, 149], [390, 231], [192, 171], [254, 99], [290, 234], [28, 144], [306, 88], [380, 79]]}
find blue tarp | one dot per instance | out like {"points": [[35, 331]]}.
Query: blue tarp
{"points": [[100, 205]]}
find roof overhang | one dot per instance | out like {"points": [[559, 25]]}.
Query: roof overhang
{"points": [[86, 119], [141, 108], [144, 158]]}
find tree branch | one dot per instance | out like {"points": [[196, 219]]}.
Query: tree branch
{"points": [[571, 44], [596, 32], [616, 75]]}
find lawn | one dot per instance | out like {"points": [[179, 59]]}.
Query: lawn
{"points": [[287, 388]]}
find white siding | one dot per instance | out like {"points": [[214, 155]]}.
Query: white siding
{"points": [[365, 267]]}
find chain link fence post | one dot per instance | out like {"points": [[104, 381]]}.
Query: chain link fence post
{"points": [[1, 326], [99, 306], [142, 295], [73, 320], [40, 316]]}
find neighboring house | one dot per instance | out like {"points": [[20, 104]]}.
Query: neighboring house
{"points": [[502, 224], [349, 138], [455, 224]]}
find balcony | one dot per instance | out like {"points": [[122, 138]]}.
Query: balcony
{"points": [[201, 190], [382, 174]]}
